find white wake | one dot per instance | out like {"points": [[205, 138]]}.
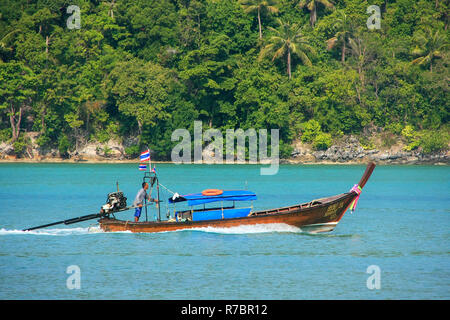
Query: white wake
{"points": [[53, 232], [243, 229], [249, 229]]}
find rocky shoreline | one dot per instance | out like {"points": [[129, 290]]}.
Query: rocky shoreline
{"points": [[351, 152], [346, 151], [391, 159]]}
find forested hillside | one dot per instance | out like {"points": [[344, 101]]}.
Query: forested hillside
{"points": [[143, 68]]}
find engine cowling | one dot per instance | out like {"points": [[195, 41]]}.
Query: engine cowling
{"points": [[115, 202]]}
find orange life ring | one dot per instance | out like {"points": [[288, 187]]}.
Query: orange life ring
{"points": [[212, 192]]}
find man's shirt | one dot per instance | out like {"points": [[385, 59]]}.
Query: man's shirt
{"points": [[140, 196]]}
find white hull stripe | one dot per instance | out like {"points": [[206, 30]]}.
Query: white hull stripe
{"points": [[321, 224]]}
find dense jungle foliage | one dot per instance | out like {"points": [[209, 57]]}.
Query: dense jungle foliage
{"points": [[315, 69]]}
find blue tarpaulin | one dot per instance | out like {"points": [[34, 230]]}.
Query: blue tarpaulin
{"points": [[227, 195]]}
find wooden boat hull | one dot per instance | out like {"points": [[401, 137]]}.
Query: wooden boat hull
{"points": [[321, 215], [315, 216]]}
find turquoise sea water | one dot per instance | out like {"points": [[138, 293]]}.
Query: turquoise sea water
{"points": [[401, 225]]}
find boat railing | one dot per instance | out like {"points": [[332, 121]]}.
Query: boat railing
{"points": [[302, 206], [198, 214], [284, 209], [205, 209]]}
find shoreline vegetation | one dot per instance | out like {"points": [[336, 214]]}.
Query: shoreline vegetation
{"points": [[341, 85], [282, 162], [347, 150]]}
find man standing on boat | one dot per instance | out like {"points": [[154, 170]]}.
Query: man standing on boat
{"points": [[139, 200]]}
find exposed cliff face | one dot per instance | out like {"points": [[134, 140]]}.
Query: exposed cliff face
{"points": [[88, 151], [98, 151]]}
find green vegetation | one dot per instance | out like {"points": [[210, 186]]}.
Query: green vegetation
{"points": [[137, 70], [412, 138], [260, 7], [432, 141], [312, 133], [366, 143], [288, 39], [5, 135], [63, 145], [132, 151], [429, 140], [310, 130], [311, 5], [322, 141], [20, 144]]}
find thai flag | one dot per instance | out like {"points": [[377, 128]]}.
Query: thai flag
{"points": [[154, 170], [145, 156], [142, 167]]}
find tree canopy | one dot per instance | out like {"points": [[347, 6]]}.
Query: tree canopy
{"points": [[136, 70]]}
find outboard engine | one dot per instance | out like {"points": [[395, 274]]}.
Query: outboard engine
{"points": [[114, 202]]}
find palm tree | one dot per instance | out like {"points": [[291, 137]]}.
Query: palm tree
{"points": [[110, 6], [358, 48], [259, 6], [342, 24], [431, 46], [312, 7], [6, 40], [288, 39]]}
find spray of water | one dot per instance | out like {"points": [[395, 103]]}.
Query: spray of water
{"points": [[249, 229], [53, 232], [245, 229]]}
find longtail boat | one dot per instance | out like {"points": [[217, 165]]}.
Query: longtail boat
{"points": [[319, 215]]}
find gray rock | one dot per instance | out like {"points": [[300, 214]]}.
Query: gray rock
{"points": [[6, 149]]}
